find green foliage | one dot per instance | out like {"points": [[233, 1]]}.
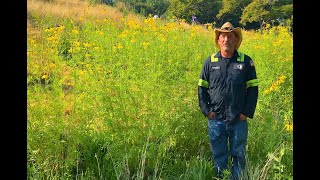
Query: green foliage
{"points": [[282, 12], [176, 8], [143, 8], [160, 7], [124, 105], [257, 11], [231, 11], [64, 48], [250, 14], [265, 11]]}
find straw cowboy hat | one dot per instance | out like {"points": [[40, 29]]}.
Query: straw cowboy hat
{"points": [[228, 27]]}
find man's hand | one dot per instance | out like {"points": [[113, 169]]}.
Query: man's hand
{"points": [[211, 115], [243, 117]]}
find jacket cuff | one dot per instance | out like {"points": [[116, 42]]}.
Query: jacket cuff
{"points": [[247, 114]]}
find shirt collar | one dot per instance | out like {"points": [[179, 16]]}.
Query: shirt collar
{"points": [[235, 54]]}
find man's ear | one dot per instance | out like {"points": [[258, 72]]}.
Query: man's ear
{"points": [[235, 44]]}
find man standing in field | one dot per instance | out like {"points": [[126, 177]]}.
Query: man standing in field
{"points": [[228, 94]]}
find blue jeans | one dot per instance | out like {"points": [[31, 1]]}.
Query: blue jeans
{"points": [[223, 135]]}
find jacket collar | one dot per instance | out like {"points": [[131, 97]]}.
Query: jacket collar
{"points": [[235, 54]]}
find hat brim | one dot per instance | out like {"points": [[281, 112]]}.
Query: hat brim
{"points": [[235, 30]]}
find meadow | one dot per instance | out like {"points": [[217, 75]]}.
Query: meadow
{"points": [[113, 95]]}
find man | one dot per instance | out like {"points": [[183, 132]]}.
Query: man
{"points": [[228, 93], [194, 19]]}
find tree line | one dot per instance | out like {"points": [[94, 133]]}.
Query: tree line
{"points": [[250, 14]]}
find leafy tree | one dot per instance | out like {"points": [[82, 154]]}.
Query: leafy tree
{"points": [[282, 12], [205, 10], [142, 8], [176, 8], [248, 13], [159, 7], [266, 11], [231, 10], [256, 11]]}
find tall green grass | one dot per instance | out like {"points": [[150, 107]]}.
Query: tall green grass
{"points": [[118, 100]]}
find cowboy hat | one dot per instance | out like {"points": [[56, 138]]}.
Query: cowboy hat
{"points": [[228, 27]]}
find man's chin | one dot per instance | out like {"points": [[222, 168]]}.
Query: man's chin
{"points": [[227, 48]]}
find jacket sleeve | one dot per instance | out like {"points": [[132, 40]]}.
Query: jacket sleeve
{"points": [[203, 86], [251, 91]]}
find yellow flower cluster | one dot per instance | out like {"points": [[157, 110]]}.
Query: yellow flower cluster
{"points": [[133, 24], [288, 127], [58, 29], [276, 84], [45, 76], [55, 33]]}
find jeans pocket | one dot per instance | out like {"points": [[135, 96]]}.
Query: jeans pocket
{"points": [[214, 127]]}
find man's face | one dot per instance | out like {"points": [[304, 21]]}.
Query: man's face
{"points": [[227, 41]]}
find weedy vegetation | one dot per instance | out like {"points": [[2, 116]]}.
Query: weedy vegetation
{"points": [[113, 95]]}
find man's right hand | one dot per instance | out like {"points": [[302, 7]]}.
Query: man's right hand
{"points": [[211, 115]]}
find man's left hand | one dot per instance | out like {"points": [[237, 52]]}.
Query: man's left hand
{"points": [[243, 117]]}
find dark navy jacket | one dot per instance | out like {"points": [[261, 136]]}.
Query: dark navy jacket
{"points": [[228, 87]]}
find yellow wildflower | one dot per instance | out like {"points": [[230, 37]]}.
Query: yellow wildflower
{"points": [[288, 127], [276, 84]]}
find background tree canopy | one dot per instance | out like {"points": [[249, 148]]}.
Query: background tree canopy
{"points": [[250, 14]]}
